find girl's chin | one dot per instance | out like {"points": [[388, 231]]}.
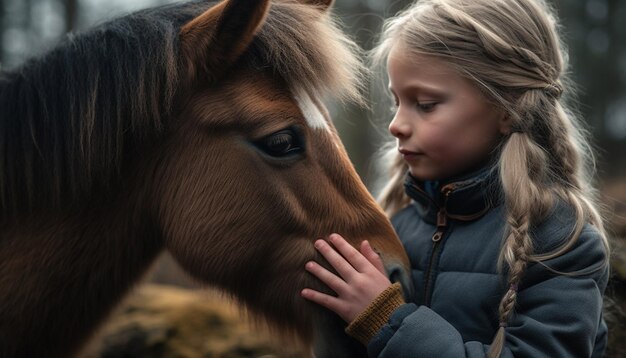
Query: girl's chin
{"points": [[423, 175]]}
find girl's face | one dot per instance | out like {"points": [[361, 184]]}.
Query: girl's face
{"points": [[444, 125]]}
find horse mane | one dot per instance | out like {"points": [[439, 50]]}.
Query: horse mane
{"points": [[70, 118]]}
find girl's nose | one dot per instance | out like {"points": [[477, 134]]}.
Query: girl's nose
{"points": [[398, 127]]}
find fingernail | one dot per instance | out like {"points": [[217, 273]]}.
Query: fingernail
{"points": [[318, 244]]}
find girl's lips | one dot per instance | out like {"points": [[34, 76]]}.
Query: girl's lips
{"points": [[407, 154]]}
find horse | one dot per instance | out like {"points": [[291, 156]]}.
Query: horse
{"points": [[197, 128]]}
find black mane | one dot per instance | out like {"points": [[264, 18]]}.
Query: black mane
{"points": [[67, 117]]}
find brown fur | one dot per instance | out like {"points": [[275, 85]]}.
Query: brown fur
{"points": [[200, 189]]}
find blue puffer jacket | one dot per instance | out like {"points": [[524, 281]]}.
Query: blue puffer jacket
{"points": [[453, 241]]}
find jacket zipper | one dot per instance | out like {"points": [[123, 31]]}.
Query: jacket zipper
{"points": [[442, 225]]}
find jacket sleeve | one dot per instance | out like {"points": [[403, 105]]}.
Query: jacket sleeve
{"points": [[558, 314]]}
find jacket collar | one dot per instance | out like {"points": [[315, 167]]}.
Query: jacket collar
{"points": [[466, 198]]}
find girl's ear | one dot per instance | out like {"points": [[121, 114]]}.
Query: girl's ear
{"points": [[505, 123], [214, 40]]}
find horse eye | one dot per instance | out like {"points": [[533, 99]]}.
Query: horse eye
{"points": [[280, 144]]}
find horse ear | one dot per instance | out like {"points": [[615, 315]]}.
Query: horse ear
{"points": [[322, 4], [217, 38]]}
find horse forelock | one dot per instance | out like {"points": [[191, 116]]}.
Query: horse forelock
{"points": [[308, 49], [311, 112]]}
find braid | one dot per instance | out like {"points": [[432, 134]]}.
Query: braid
{"points": [[518, 249], [523, 176], [567, 166]]}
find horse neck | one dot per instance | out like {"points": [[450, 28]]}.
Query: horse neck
{"points": [[62, 273]]}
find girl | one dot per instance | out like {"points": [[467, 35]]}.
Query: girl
{"points": [[490, 195]]}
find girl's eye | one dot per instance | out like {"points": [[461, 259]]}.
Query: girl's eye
{"points": [[427, 107]]}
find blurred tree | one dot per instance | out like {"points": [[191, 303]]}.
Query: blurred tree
{"points": [[71, 8], [596, 37], [2, 12], [27, 18]]}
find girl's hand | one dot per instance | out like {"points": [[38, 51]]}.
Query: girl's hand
{"points": [[362, 277]]}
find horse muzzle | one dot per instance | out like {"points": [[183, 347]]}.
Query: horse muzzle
{"points": [[398, 272]]}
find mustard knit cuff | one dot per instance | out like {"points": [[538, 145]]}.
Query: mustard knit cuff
{"points": [[375, 316]]}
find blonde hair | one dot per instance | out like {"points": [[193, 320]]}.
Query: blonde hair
{"points": [[511, 50]]}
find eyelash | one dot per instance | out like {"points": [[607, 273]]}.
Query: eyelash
{"points": [[427, 107], [424, 107]]}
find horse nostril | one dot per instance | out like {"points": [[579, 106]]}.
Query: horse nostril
{"points": [[397, 273]]}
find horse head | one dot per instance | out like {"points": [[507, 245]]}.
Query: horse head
{"points": [[260, 170]]}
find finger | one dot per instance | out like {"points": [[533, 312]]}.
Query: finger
{"points": [[343, 267], [354, 257], [372, 256], [328, 301], [331, 280]]}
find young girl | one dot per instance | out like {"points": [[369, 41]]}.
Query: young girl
{"points": [[490, 195]]}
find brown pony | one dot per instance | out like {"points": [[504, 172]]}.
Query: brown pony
{"points": [[196, 128]]}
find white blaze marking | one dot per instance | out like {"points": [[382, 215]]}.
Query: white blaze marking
{"points": [[312, 114]]}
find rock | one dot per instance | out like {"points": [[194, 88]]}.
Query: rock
{"points": [[166, 321]]}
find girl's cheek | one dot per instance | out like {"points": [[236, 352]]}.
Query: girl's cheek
{"points": [[437, 140], [447, 150]]}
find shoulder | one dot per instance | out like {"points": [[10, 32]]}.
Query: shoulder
{"points": [[582, 252], [558, 227]]}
